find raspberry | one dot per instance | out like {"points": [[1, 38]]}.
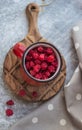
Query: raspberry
{"points": [[55, 64], [51, 69], [37, 62], [10, 102], [28, 58], [22, 92], [46, 57], [19, 49], [40, 49], [34, 94], [22, 47], [49, 50], [9, 112], [27, 65], [35, 55], [42, 57], [17, 53], [32, 72], [44, 66], [47, 73], [35, 50], [50, 58], [38, 76], [31, 63], [31, 52], [44, 77], [37, 68]]}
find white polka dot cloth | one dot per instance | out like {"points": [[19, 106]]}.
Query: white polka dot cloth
{"points": [[50, 107], [62, 122], [34, 120]]}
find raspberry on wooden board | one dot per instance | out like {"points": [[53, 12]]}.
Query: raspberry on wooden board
{"points": [[22, 93], [34, 94]]}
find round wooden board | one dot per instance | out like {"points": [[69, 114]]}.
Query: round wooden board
{"points": [[12, 65]]}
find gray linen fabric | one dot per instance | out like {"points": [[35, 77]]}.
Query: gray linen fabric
{"points": [[68, 107]]}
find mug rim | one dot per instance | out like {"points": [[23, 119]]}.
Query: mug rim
{"points": [[24, 66]]}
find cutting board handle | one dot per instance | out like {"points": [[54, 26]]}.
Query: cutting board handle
{"points": [[32, 11]]}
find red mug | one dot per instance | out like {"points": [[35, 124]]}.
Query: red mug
{"points": [[21, 51]]}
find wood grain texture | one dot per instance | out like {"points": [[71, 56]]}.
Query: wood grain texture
{"points": [[12, 65]]}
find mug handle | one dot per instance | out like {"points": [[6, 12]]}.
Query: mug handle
{"points": [[19, 49]]}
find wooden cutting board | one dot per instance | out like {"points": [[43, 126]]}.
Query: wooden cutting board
{"points": [[11, 69]]}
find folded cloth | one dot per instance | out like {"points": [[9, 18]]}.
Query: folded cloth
{"points": [[64, 111]]}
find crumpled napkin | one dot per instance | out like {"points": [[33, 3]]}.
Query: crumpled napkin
{"points": [[64, 111]]}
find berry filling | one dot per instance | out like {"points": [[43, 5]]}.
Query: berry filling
{"points": [[41, 62]]}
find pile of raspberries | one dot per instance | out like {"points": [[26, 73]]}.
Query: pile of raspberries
{"points": [[41, 62]]}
